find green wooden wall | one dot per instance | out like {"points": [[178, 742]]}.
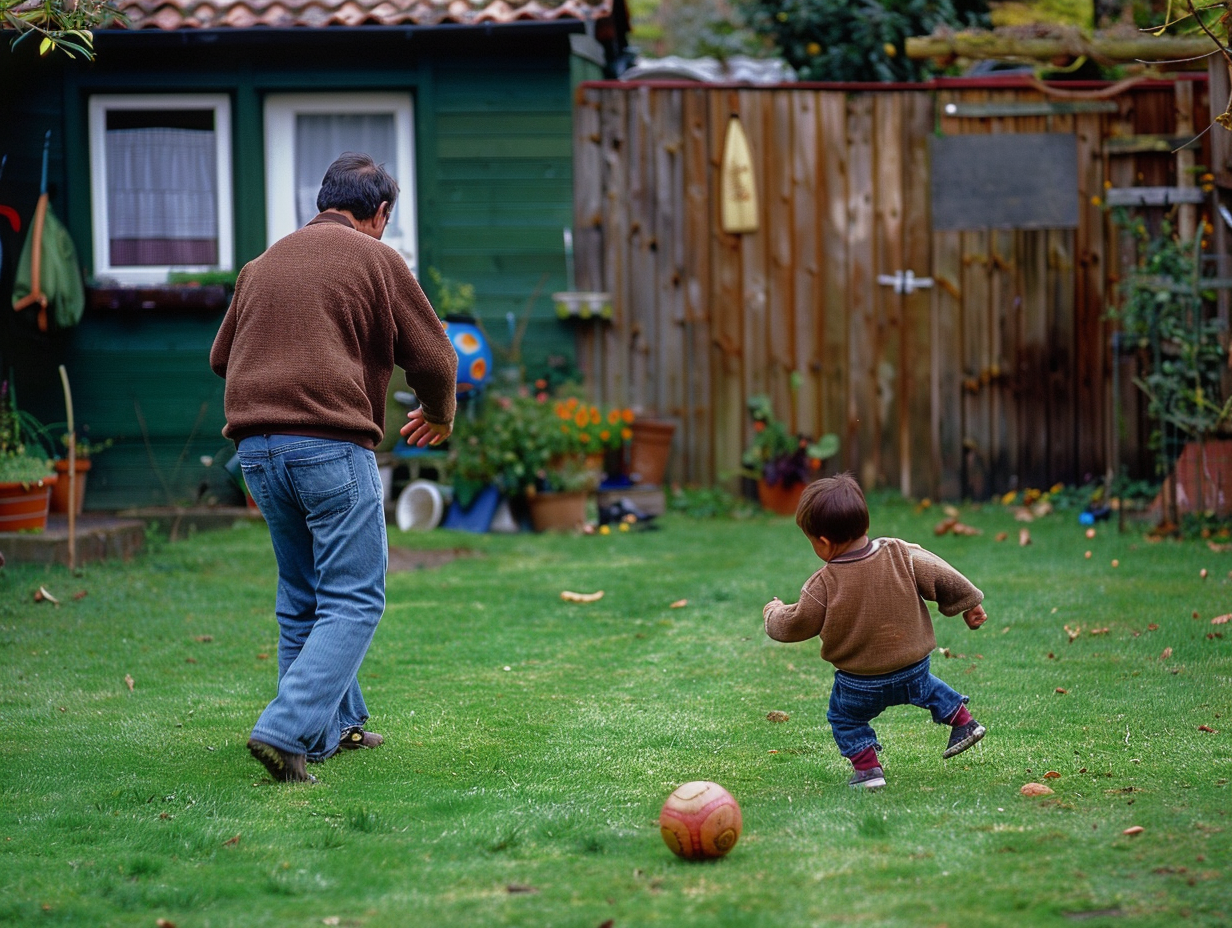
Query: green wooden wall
{"points": [[495, 191]]}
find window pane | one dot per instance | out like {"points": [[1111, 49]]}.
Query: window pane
{"points": [[162, 204], [322, 137]]}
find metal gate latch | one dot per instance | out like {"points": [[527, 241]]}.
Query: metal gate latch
{"points": [[904, 281]]}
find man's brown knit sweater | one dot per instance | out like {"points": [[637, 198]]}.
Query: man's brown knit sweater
{"points": [[868, 606], [312, 335]]}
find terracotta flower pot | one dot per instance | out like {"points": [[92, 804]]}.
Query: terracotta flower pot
{"points": [[651, 448], [59, 492], [24, 506], [778, 498], [557, 511]]}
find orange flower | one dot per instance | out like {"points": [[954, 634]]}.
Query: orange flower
{"points": [[595, 416], [613, 416], [627, 415], [582, 418], [759, 426], [626, 434], [605, 435]]}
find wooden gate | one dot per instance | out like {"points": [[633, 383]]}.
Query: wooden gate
{"points": [[996, 377]]}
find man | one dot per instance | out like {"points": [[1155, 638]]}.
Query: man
{"points": [[307, 348]]}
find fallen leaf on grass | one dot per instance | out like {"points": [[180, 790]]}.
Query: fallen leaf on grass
{"points": [[945, 525], [679, 604], [1153, 627], [41, 595], [1216, 547], [80, 594], [1221, 619], [164, 923], [231, 842], [1062, 690], [515, 888], [1024, 537], [1035, 789], [1052, 775], [204, 639], [777, 715], [1023, 514], [1133, 830], [1166, 654], [571, 597], [1208, 729], [1001, 536], [1099, 631], [128, 681], [1073, 632], [960, 528]]}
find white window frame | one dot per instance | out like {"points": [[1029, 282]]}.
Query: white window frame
{"points": [[281, 111], [100, 104]]}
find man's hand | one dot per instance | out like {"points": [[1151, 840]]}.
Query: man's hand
{"points": [[420, 432], [975, 617]]}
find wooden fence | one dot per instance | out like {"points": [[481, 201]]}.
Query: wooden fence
{"points": [[999, 376]]}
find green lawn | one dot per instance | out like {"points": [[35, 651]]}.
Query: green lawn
{"points": [[531, 742]]}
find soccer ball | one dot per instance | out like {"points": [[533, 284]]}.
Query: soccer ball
{"points": [[700, 820]]}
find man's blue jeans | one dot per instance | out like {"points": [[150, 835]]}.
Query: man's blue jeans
{"points": [[856, 700], [324, 505]]}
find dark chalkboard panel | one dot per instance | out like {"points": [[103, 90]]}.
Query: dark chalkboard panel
{"points": [[1011, 181]]}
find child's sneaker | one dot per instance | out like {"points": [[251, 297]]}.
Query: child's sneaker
{"points": [[963, 736], [872, 778]]}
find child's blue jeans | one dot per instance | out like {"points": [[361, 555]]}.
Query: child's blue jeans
{"points": [[856, 700]]}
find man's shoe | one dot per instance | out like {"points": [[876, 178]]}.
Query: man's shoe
{"points": [[963, 736], [872, 778], [288, 768], [355, 737]]}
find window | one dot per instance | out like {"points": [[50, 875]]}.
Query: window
{"points": [[160, 185], [304, 133]]}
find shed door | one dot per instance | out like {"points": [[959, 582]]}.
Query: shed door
{"points": [[304, 133]]}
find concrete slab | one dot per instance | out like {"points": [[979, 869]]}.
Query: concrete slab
{"points": [[99, 536]]}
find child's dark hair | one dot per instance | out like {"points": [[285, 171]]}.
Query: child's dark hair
{"points": [[833, 508]]}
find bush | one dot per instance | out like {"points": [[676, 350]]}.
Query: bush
{"points": [[857, 40]]}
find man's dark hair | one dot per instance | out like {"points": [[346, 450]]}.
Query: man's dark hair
{"points": [[357, 184], [833, 508]]}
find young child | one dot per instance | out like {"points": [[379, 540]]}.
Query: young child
{"points": [[867, 604]]}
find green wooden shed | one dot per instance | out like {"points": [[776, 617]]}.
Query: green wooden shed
{"points": [[198, 136]]}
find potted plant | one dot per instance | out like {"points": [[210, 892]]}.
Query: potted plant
{"points": [[26, 476], [84, 451], [1167, 318], [535, 448], [782, 463]]}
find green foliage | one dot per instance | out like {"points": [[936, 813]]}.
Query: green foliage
{"points": [[857, 40], [776, 455], [703, 502], [63, 25], [26, 446], [452, 298], [1167, 315], [523, 440], [530, 796]]}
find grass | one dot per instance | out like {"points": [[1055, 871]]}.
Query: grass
{"points": [[531, 742]]}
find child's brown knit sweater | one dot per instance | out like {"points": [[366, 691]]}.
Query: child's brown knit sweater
{"points": [[868, 606], [311, 338]]}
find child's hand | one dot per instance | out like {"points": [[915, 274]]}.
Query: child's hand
{"points": [[975, 617]]}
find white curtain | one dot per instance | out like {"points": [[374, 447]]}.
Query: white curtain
{"points": [[322, 137], [160, 191]]}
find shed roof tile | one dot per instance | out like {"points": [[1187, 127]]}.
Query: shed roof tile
{"points": [[243, 14]]}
